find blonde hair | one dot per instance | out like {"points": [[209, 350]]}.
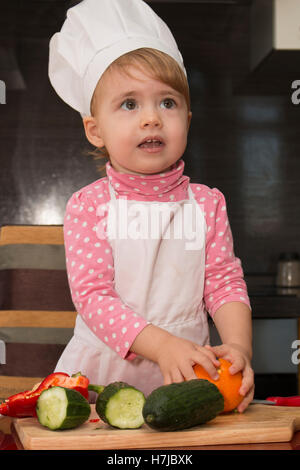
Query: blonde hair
{"points": [[159, 66]]}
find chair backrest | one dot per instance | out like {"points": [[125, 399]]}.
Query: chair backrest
{"points": [[36, 234], [37, 315]]}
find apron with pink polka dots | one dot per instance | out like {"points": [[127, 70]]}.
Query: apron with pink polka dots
{"points": [[159, 274]]}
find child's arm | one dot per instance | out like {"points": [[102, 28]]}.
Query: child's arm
{"points": [[90, 268], [234, 324], [225, 291]]}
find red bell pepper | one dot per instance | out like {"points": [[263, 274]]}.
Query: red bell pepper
{"points": [[24, 403]]}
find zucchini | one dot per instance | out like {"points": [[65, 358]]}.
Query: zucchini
{"points": [[182, 405], [120, 405], [62, 408]]}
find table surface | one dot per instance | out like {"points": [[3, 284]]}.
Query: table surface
{"points": [[9, 441]]}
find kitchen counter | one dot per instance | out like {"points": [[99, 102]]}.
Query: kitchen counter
{"points": [[269, 301], [274, 305]]}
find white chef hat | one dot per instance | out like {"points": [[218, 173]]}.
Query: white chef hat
{"points": [[94, 34]]}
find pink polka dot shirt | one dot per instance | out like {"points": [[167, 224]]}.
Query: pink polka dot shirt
{"points": [[90, 264]]}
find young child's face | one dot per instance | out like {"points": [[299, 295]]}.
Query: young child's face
{"points": [[142, 122]]}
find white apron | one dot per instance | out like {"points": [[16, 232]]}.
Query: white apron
{"points": [[159, 279]]}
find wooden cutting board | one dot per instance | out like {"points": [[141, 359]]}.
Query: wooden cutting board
{"points": [[258, 424]]}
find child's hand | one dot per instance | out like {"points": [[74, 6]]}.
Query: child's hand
{"points": [[240, 362], [177, 356]]}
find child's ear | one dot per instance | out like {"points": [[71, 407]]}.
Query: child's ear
{"points": [[92, 132]]}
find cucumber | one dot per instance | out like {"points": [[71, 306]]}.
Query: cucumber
{"points": [[182, 405], [96, 388], [62, 408], [120, 405]]}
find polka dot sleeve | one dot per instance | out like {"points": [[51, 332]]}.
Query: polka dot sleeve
{"points": [[90, 271], [224, 278]]}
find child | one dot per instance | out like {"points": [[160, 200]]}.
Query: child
{"points": [[148, 253]]}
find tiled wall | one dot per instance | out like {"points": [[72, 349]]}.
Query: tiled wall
{"points": [[247, 146]]}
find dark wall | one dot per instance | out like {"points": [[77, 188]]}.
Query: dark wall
{"points": [[245, 144]]}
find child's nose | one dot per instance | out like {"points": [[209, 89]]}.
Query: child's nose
{"points": [[150, 118]]}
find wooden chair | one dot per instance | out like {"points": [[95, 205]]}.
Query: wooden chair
{"points": [[37, 314]]}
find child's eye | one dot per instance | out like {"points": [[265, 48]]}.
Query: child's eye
{"points": [[168, 103], [128, 104]]}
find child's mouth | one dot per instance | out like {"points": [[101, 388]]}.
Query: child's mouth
{"points": [[151, 144]]}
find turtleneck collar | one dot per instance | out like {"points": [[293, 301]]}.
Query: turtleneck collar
{"points": [[170, 185]]}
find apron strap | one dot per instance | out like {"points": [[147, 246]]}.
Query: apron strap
{"points": [[191, 194], [111, 191]]}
